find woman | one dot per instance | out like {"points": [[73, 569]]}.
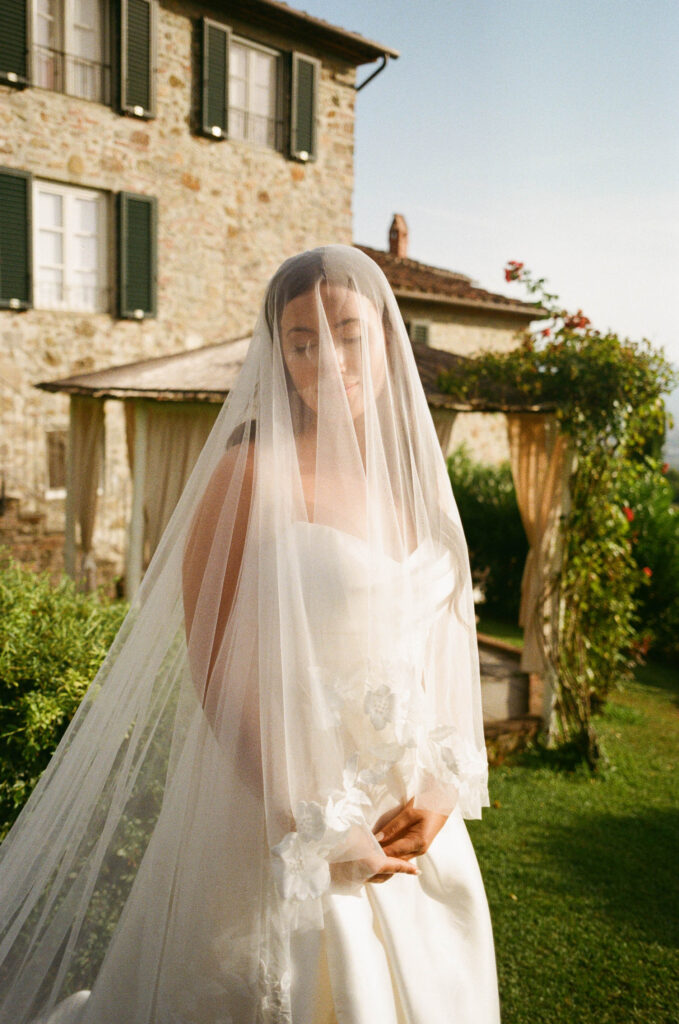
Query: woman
{"points": [[256, 815]]}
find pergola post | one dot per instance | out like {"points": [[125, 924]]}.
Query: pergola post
{"points": [[135, 546], [69, 525]]}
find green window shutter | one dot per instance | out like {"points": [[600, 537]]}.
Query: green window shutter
{"points": [[137, 57], [15, 239], [137, 255], [306, 72], [13, 43], [215, 92]]}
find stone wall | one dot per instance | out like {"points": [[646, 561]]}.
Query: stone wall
{"points": [[228, 214]]}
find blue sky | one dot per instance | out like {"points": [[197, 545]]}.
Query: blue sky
{"points": [[540, 130]]}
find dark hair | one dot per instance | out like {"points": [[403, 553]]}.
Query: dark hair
{"points": [[300, 274], [294, 277]]}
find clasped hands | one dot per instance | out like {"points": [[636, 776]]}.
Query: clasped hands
{"points": [[408, 833]]}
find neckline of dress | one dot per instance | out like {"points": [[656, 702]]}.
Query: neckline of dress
{"points": [[361, 540]]}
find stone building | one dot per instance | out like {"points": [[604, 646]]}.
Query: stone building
{"points": [[159, 159]]}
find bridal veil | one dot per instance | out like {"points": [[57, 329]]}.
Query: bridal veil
{"points": [[259, 709]]}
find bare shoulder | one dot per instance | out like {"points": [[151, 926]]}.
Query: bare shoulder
{"points": [[233, 465]]}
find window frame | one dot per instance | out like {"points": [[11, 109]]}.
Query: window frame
{"points": [[413, 326], [64, 51], [279, 117], [103, 287]]}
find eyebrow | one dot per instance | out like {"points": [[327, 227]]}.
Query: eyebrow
{"points": [[310, 330]]}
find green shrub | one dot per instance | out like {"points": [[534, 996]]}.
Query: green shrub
{"points": [[52, 642], [654, 522], [497, 542], [673, 481]]}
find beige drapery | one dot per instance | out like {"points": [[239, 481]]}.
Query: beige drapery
{"points": [[444, 421], [175, 435], [85, 464], [542, 462]]}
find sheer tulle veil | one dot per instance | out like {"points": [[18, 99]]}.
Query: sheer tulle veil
{"points": [[260, 709]]}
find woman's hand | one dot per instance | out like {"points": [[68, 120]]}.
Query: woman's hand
{"points": [[408, 833]]}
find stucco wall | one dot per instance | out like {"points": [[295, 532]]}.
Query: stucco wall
{"points": [[467, 333]]}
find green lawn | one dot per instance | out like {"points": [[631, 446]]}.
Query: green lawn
{"points": [[501, 630], [582, 873]]}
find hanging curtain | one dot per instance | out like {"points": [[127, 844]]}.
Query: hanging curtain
{"points": [[542, 461], [176, 433], [86, 464], [444, 421]]}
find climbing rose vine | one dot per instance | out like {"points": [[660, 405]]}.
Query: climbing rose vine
{"points": [[606, 393]]}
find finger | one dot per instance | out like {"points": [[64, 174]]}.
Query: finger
{"points": [[405, 846], [391, 826], [394, 866], [400, 825]]}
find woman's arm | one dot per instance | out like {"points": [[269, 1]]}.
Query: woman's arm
{"points": [[220, 525]]}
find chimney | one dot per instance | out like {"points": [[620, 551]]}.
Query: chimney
{"points": [[398, 237]]}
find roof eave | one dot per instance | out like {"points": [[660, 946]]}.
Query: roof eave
{"points": [[276, 15], [128, 393], [518, 310]]}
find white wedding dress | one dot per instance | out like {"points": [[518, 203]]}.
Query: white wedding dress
{"points": [[413, 950]]}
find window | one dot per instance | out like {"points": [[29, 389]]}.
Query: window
{"points": [[70, 247], [55, 251], [245, 86], [57, 442], [70, 48], [418, 331], [253, 95], [73, 45]]}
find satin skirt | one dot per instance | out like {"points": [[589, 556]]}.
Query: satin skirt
{"points": [[413, 950]]}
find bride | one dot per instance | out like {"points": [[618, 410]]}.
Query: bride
{"points": [[256, 815]]}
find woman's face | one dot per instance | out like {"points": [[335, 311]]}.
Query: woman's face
{"points": [[350, 317]]}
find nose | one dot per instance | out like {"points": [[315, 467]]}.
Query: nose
{"points": [[341, 356]]}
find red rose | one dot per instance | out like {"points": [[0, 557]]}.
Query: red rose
{"points": [[665, 467], [628, 512], [513, 270], [649, 572]]}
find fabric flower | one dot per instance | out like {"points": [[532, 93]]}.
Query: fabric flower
{"points": [[385, 755], [310, 821], [300, 872], [345, 807], [379, 706], [275, 991]]}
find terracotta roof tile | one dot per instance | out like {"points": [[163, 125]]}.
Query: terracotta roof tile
{"points": [[410, 278]]}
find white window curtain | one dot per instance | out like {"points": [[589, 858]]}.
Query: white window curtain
{"points": [[70, 246], [69, 47], [253, 100]]}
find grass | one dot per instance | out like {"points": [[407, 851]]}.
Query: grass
{"points": [[581, 871], [510, 633]]}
